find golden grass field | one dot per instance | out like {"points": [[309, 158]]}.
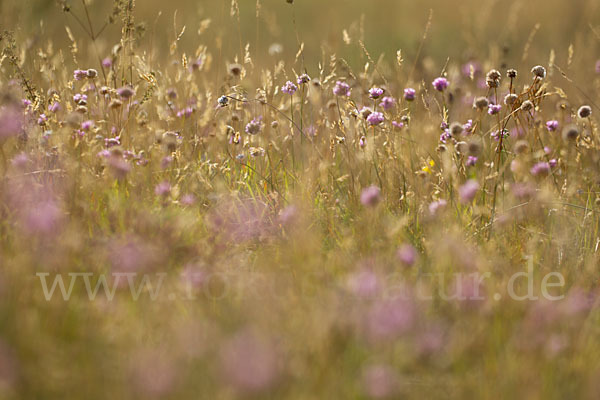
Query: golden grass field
{"points": [[340, 199]]}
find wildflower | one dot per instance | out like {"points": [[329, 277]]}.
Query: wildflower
{"points": [[20, 161], [471, 161], [570, 132], [440, 84], [375, 93], [538, 72], [540, 169], [468, 126], [303, 79], [362, 142], [437, 206], [364, 283], [511, 73], [527, 106], [107, 62], [223, 101], [87, 125], [552, 125], [389, 318], [365, 112], [584, 111], [494, 109], [375, 118], [54, 107], [163, 189], [126, 92], [468, 191], [11, 121], [289, 88], [397, 125], [407, 255], [42, 119], [471, 69], [341, 89], [370, 196], [255, 126], [387, 103], [409, 94], [118, 166], [80, 99], [91, 73], [598, 67], [552, 162], [79, 74], [521, 147], [510, 99], [496, 135], [188, 199], [456, 128], [492, 79], [481, 103]]}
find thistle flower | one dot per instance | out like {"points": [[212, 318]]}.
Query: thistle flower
{"points": [[527, 106], [79, 74], [163, 189], [468, 191], [471, 161], [584, 111], [570, 132], [494, 109], [375, 118], [538, 72], [510, 99], [440, 84], [540, 169], [370, 196], [375, 93], [289, 88], [303, 79], [255, 126], [552, 125], [407, 255], [492, 79], [409, 94], [341, 89], [481, 103], [387, 103], [126, 92]]}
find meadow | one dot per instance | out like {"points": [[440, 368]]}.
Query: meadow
{"points": [[299, 199]]}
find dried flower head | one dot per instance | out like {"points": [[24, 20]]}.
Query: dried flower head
{"points": [[511, 73], [584, 111], [570, 133], [481, 103], [492, 79], [538, 72]]}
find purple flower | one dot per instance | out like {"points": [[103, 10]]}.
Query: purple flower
{"points": [[390, 318], [303, 79], [440, 84], [494, 109], [375, 118], [553, 163], [163, 189], [364, 283], [471, 161], [540, 169], [26, 103], [387, 103], [54, 107], [341, 89], [468, 191], [437, 206], [87, 125], [407, 255], [11, 121], [42, 119], [598, 67], [471, 66], [107, 62], [370, 196], [362, 142], [496, 134], [79, 98], [445, 136], [80, 74], [552, 125], [409, 94], [375, 93], [468, 127], [398, 125], [255, 126], [289, 88], [126, 92]]}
